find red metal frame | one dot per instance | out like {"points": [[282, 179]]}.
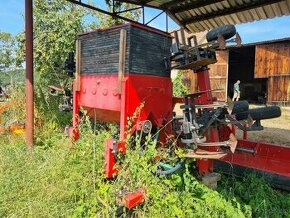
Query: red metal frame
{"points": [[73, 131], [205, 166], [99, 96], [135, 198], [265, 157], [110, 168]]}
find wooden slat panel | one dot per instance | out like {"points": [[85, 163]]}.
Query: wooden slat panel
{"points": [[279, 89], [218, 75], [272, 60], [144, 53]]}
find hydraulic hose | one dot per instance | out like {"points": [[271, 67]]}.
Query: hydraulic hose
{"points": [[169, 169], [172, 170]]}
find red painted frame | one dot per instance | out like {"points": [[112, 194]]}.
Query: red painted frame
{"points": [[265, 157], [99, 96]]}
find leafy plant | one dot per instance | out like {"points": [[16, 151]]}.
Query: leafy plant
{"points": [[179, 88]]}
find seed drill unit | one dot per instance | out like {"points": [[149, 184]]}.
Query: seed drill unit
{"points": [[124, 71]]}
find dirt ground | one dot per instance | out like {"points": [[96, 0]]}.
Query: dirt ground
{"points": [[275, 131]]}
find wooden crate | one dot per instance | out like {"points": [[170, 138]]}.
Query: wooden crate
{"points": [[146, 49]]}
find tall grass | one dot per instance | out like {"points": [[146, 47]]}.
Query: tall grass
{"points": [[63, 179]]}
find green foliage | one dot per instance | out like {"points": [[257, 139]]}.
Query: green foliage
{"points": [[9, 67], [256, 195], [12, 77], [15, 112], [179, 88], [64, 179], [106, 21], [67, 180], [7, 50], [56, 26]]}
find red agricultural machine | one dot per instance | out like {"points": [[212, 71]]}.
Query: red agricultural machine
{"points": [[125, 67]]}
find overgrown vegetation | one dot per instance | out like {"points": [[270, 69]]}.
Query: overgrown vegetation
{"points": [[60, 179], [179, 88], [63, 179]]}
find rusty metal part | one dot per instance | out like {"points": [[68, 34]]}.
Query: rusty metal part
{"points": [[144, 126], [206, 144], [56, 87], [29, 90], [203, 154]]}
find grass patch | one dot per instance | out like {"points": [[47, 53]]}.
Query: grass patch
{"points": [[65, 180]]}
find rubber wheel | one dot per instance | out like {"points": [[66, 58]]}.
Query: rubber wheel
{"points": [[265, 113], [227, 31], [240, 107], [242, 116], [260, 113]]}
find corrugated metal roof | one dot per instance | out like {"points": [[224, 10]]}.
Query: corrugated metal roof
{"points": [[201, 15]]}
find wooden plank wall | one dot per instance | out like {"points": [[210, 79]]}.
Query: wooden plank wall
{"points": [[218, 74], [218, 77], [272, 61], [279, 88]]}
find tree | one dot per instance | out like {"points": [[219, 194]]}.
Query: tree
{"points": [[56, 25], [7, 46], [105, 21], [9, 67]]}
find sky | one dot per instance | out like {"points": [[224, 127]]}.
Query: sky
{"points": [[12, 20]]}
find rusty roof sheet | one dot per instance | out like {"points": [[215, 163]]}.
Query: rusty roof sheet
{"points": [[201, 15]]}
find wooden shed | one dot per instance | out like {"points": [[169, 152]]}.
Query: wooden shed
{"points": [[263, 69]]}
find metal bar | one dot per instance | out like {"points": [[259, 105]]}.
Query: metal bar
{"points": [[78, 65], [231, 10], [143, 14], [176, 20], [138, 3], [154, 17], [132, 9], [172, 3], [246, 150], [122, 59], [101, 11], [176, 38], [29, 90], [114, 7], [182, 37], [193, 5], [146, 1], [166, 22]]}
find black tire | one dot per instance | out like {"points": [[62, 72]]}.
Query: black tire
{"points": [[240, 107], [227, 31], [265, 113], [242, 116]]}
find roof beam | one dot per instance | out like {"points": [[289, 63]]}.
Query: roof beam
{"points": [[143, 3], [193, 5], [114, 15], [246, 6], [171, 3]]}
